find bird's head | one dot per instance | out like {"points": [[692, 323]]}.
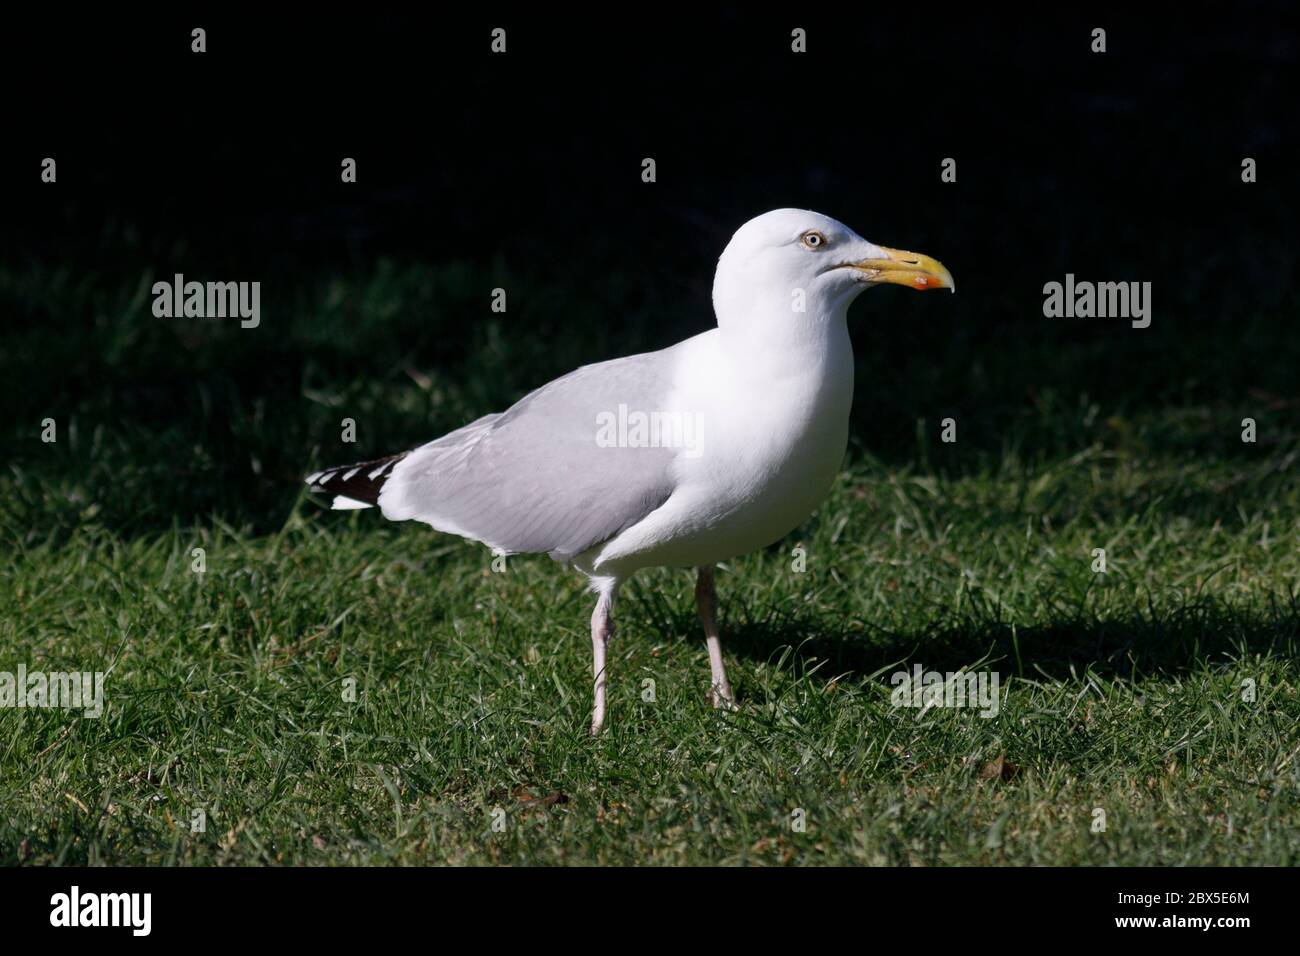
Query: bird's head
{"points": [[798, 260]]}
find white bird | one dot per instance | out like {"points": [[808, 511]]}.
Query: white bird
{"points": [[701, 452]]}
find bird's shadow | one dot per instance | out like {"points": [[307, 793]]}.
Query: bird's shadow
{"points": [[1163, 643]]}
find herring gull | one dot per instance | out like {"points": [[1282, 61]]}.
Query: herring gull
{"points": [[700, 452]]}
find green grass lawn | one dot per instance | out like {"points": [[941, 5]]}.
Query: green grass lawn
{"points": [[227, 692]]}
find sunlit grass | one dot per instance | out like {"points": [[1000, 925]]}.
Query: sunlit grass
{"points": [[1162, 693]]}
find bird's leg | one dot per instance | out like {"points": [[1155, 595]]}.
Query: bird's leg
{"points": [[602, 629], [706, 600]]}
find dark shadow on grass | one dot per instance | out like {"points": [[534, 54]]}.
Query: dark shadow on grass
{"points": [[1162, 644]]}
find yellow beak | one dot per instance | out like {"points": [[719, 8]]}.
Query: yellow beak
{"points": [[912, 269]]}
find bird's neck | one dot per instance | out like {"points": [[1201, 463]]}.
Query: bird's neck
{"points": [[789, 346]]}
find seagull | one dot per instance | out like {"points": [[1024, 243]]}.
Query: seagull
{"points": [[685, 457]]}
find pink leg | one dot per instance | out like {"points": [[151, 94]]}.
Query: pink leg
{"points": [[706, 600], [602, 629]]}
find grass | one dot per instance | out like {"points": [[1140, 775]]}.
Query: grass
{"points": [[1121, 692]]}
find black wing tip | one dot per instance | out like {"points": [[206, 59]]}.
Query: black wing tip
{"points": [[361, 482]]}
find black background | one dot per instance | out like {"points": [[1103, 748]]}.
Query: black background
{"points": [[1122, 166], [1066, 159]]}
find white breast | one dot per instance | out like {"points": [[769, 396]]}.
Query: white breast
{"points": [[773, 438]]}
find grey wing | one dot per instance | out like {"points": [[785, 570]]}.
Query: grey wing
{"points": [[535, 478]]}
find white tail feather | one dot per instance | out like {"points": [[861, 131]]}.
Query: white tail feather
{"points": [[344, 503]]}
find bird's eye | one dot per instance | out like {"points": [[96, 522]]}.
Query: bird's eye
{"points": [[813, 240]]}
